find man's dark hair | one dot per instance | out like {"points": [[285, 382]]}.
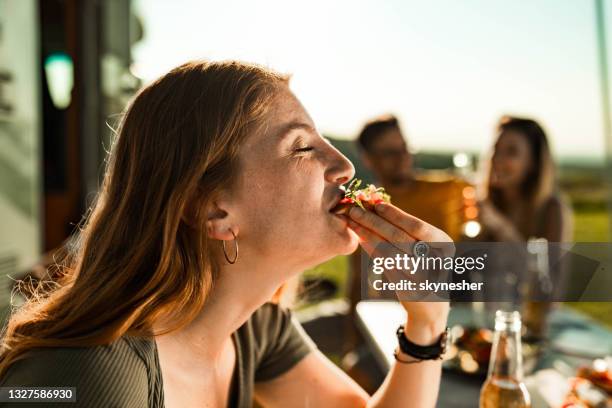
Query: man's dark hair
{"points": [[374, 128]]}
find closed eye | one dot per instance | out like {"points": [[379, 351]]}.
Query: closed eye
{"points": [[304, 149]]}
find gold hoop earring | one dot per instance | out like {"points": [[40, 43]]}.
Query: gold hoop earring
{"points": [[227, 258]]}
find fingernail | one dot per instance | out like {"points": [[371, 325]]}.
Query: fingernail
{"points": [[356, 212]]}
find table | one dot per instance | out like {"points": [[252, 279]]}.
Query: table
{"points": [[378, 321]]}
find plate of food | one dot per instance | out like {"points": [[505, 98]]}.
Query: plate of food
{"points": [[591, 387], [470, 350]]}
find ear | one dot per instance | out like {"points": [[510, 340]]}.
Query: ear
{"points": [[219, 225], [217, 221]]}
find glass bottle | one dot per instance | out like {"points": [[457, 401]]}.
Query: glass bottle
{"points": [[504, 387], [536, 307]]}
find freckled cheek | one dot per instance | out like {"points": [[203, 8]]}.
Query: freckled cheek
{"points": [[284, 190]]}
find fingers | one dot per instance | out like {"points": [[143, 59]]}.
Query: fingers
{"points": [[379, 225], [396, 225], [377, 247], [374, 244], [367, 239], [414, 226]]}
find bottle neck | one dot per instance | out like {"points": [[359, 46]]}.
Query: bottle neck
{"points": [[506, 355]]}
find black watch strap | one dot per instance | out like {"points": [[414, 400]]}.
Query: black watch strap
{"points": [[431, 352]]}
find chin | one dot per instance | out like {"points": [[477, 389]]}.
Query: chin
{"points": [[348, 243], [344, 243]]}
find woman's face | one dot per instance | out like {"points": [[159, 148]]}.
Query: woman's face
{"points": [[511, 160], [290, 179]]}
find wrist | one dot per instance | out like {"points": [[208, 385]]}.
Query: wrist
{"points": [[404, 358], [433, 350], [424, 333]]}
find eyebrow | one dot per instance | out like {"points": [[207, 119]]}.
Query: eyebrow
{"points": [[291, 126]]}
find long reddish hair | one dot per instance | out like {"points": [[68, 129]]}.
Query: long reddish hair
{"points": [[136, 261]]}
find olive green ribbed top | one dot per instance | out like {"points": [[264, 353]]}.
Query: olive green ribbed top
{"points": [[126, 373]]}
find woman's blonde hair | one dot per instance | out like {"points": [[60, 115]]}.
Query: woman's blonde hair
{"points": [[136, 260]]}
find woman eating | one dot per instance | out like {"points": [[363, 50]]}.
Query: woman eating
{"points": [[218, 190]]}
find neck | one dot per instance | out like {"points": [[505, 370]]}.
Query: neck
{"points": [[238, 292]]}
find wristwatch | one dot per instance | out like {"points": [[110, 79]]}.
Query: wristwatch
{"points": [[431, 352]]}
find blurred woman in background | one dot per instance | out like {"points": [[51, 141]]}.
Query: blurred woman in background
{"points": [[522, 203], [521, 198]]}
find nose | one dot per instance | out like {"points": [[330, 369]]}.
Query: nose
{"points": [[340, 169]]}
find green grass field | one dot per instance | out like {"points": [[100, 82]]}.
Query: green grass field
{"points": [[591, 226]]}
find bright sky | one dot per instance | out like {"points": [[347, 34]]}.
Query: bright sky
{"points": [[449, 69]]}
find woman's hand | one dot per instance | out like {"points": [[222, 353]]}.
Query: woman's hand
{"points": [[491, 217], [389, 231], [495, 221]]}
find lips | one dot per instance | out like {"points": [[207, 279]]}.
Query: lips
{"points": [[338, 201], [343, 206]]}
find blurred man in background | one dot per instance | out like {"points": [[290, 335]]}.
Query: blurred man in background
{"points": [[434, 197]]}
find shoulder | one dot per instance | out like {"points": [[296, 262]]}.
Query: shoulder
{"points": [[113, 374], [278, 340], [556, 201], [556, 206], [269, 316], [269, 322], [274, 320], [555, 219]]}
